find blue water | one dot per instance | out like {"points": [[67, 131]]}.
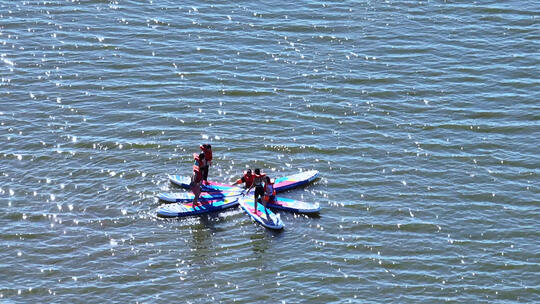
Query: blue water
{"points": [[422, 118]]}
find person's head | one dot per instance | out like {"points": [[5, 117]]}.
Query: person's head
{"points": [[209, 146], [268, 179], [257, 171], [248, 172], [201, 156]]}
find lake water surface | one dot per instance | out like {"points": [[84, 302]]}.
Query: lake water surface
{"points": [[423, 118]]}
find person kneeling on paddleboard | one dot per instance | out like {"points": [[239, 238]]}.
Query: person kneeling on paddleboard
{"points": [[196, 178], [269, 191], [247, 179], [259, 189], [207, 150]]}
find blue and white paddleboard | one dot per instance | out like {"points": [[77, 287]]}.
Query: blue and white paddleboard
{"points": [[288, 204], [296, 180], [187, 208], [280, 203], [263, 216], [184, 181], [280, 184], [188, 197]]}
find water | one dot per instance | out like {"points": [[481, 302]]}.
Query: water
{"points": [[422, 118]]}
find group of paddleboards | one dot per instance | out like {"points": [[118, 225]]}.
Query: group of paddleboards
{"points": [[257, 198]]}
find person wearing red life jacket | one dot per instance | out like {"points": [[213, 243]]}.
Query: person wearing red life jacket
{"points": [[207, 150], [196, 178], [247, 179], [269, 191], [258, 182]]}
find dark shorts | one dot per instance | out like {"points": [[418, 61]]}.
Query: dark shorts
{"points": [[259, 192], [204, 171]]}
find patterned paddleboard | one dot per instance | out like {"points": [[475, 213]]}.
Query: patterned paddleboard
{"points": [[280, 184], [287, 204], [263, 216], [187, 208], [280, 203], [188, 197]]}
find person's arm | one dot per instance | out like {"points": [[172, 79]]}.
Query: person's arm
{"points": [[251, 186], [239, 181]]}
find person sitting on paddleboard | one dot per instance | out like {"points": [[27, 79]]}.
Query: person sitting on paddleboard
{"points": [[207, 150], [247, 179], [269, 191], [196, 178], [259, 189]]}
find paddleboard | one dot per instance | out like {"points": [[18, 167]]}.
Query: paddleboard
{"points": [[188, 197], [184, 181], [296, 180], [263, 216], [281, 203], [187, 208], [287, 204], [280, 184]]}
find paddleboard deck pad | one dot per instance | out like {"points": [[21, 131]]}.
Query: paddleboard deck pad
{"points": [[287, 204], [280, 203], [296, 180], [280, 184], [263, 216], [188, 197], [187, 208]]}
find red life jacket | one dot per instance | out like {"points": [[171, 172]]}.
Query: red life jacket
{"points": [[207, 153], [197, 168], [248, 179]]}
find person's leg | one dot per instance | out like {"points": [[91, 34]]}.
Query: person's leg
{"points": [[270, 199], [205, 173], [197, 192], [264, 202], [255, 201], [259, 192]]}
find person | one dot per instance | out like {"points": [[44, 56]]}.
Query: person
{"points": [[269, 191], [196, 178], [247, 179], [258, 180], [207, 150]]}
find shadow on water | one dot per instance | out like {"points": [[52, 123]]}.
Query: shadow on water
{"points": [[202, 241], [209, 221], [206, 220], [260, 243], [202, 234], [274, 233], [292, 214], [316, 215]]}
